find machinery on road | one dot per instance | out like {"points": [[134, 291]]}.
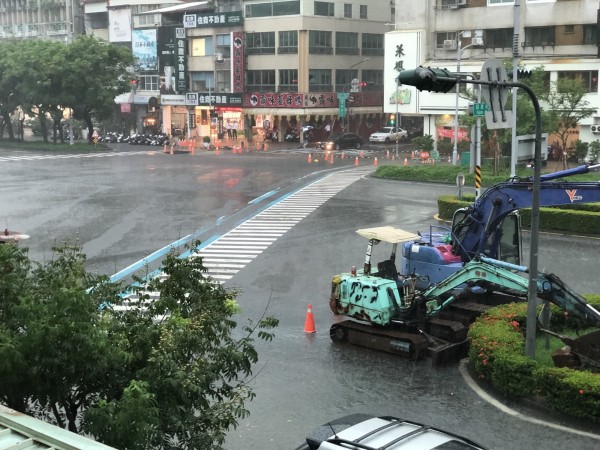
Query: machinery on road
{"points": [[491, 225], [389, 312]]}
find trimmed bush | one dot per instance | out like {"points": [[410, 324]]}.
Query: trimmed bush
{"points": [[497, 355]]}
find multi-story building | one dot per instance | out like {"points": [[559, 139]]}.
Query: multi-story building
{"points": [[51, 19], [253, 64], [560, 35]]}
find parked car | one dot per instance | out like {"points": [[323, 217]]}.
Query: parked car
{"points": [[389, 134], [345, 140], [364, 431]]}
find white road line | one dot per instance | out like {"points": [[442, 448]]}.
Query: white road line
{"points": [[230, 253]]}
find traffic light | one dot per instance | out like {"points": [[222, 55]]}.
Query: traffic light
{"points": [[392, 119], [426, 79]]}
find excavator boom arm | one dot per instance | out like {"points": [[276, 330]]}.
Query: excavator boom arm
{"points": [[498, 276]]}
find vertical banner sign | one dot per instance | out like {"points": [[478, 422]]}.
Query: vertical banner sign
{"points": [[165, 38], [180, 60], [119, 25], [143, 48], [237, 61]]}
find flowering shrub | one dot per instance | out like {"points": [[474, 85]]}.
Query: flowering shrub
{"points": [[497, 354]]}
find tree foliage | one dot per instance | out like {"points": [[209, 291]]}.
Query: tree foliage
{"points": [[168, 375], [44, 78]]}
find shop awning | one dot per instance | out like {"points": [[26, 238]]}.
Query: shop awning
{"points": [[127, 97], [310, 111], [193, 6]]}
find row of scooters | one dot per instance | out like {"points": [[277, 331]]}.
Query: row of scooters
{"points": [[135, 139]]}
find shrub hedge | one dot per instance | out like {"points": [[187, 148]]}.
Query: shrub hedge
{"points": [[575, 219], [497, 355]]}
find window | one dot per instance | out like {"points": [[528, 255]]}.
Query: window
{"points": [[202, 46], [539, 36], [374, 79], [260, 43], [346, 43], [500, 2], [570, 29], [363, 11], [590, 35], [372, 44], [288, 80], [288, 42], [148, 19], [498, 38], [273, 9], [343, 77], [324, 9], [319, 80], [588, 78], [201, 81], [319, 42], [148, 83], [348, 10], [261, 80], [223, 81], [441, 37], [224, 45]]}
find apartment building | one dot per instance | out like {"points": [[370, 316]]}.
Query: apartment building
{"points": [[254, 64], [32, 19], [560, 35]]}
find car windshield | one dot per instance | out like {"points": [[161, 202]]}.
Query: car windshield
{"points": [[386, 130]]}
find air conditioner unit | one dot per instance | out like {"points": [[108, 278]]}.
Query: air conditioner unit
{"points": [[450, 44], [595, 129], [477, 41]]}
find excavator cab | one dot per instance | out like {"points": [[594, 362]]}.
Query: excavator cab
{"points": [[503, 243]]}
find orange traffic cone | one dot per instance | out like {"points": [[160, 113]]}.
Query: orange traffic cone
{"points": [[309, 324], [362, 154], [310, 158], [326, 156], [375, 162], [406, 161], [343, 154], [217, 151], [356, 161], [387, 155]]}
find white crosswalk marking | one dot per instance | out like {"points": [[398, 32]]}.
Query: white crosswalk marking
{"points": [[75, 156], [237, 248]]}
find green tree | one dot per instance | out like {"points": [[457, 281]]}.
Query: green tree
{"points": [[95, 73], [567, 106], [167, 376]]}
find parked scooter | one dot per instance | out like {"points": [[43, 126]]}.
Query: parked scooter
{"points": [[292, 136]]}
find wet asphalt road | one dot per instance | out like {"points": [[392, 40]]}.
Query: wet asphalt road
{"points": [[123, 208]]}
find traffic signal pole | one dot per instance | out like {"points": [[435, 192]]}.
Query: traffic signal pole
{"points": [[441, 80]]}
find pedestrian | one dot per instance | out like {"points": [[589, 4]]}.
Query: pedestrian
{"points": [[234, 130], [229, 133]]}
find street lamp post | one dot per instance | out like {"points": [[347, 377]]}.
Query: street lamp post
{"points": [[458, 55], [348, 85], [397, 122]]}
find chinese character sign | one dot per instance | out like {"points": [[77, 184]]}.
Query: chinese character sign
{"points": [[143, 48], [237, 40], [119, 27], [180, 63]]}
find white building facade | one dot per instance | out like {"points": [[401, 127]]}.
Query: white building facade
{"points": [[560, 35]]}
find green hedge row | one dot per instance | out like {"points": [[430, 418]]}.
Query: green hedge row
{"points": [[574, 219], [497, 354]]}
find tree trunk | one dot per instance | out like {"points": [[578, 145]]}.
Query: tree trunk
{"points": [[90, 126], [43, 127], [8, 125]]}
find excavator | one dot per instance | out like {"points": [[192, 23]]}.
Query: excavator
{"points": [[448, 279], [387, 311], [491, 225]]}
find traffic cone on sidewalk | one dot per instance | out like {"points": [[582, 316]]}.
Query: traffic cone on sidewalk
{"points": [[375, 163], [309, 324], [387, 155], [356, 161], [310, 158], [343, 154], [406, 161]]}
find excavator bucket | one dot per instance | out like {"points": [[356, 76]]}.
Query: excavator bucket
{"points": [[581, 352]]}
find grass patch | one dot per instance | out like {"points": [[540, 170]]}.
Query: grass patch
{"points": [[447, 174], [45, 146]]}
